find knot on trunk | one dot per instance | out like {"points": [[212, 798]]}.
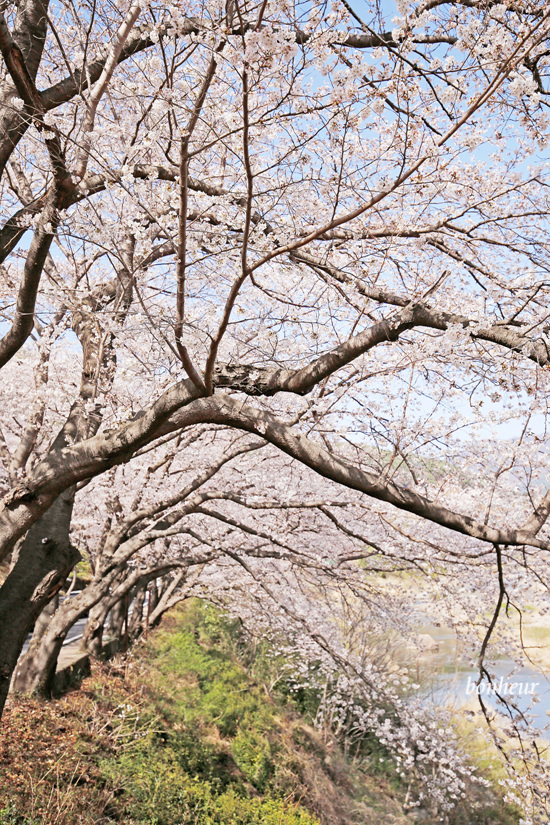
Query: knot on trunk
{"points": [[21, 492]]}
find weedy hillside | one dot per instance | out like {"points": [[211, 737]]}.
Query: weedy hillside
{"points": [[189, 728]]}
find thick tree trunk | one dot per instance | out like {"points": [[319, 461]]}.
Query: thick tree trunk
{"points": [[45, 557], [111, 603], [22, 672], [40, 567], [41, 624], [36, 669], [135, 623], [41, 564], [35, 674], [153, 595], [92, 638], [117, 619], [30, 35]]}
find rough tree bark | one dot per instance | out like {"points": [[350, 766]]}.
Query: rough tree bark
{"points": [[36, 669], [30, 30], [47, 554], [92, 638], [117, 618]]}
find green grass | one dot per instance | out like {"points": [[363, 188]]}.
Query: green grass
{"points": [[185, 732], [208, 749]]}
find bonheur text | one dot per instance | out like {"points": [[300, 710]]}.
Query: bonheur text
{"points": [[501, 688]]}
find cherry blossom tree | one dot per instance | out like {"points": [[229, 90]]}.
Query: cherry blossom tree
{"points": [[321, 226]]}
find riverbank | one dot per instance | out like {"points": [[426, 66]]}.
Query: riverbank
{"points": [[184, 731]]}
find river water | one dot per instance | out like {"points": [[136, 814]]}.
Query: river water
{"points": [[451, 681]]}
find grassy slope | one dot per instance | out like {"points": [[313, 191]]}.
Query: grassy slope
{"points": [[181, 733]]}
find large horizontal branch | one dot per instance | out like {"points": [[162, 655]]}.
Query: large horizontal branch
{"points": [[374, 40], [181, 407], [141, 39], [62, 468], [268, 381], [231, 412], [499, 333], [258, 381]]}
